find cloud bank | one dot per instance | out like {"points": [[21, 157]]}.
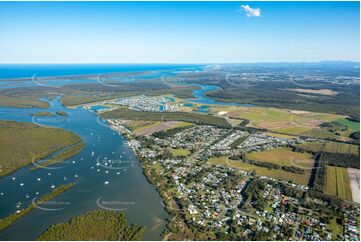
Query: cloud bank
{"points": [[251, 12]]}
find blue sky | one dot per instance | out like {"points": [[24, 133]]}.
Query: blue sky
{"points": [[178, 32]]}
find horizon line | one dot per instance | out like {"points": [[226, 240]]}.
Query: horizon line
{"points": [[173, 63]]}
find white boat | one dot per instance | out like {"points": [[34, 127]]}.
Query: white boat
{"points": [[52, 186], [38, 179], [21, 184], [106, 182]]}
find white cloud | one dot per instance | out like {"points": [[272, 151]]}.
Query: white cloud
{"points": [[251, 12]]}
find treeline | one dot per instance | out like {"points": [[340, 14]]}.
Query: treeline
{"points": [[268, 165], [169, 133], [341, 160], [238, 141], [254, 193], [96, 225], [320, 179]]}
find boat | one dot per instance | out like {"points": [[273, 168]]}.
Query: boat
{"points": [[106, 182]]}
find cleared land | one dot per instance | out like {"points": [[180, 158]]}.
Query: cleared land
{"points": [[124, 113], [22, 143], [262, 171], [338, 182], [283, 157], [96, 225], [158, 126], [327, 92], [331, 147], [284, 121], [354, 175]]}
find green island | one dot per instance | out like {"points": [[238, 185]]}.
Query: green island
{"points": [[7, 221], [22, 143], [66, 154], [61, 113], [43, 114], [95, 225]]}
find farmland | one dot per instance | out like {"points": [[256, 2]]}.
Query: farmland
{"points": [[331, 147], [262, 171], [291, 122], [284, 157], [337, 182]]}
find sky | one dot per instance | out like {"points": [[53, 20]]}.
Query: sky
{"points": [[178, 32]]}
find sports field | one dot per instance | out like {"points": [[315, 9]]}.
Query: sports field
{"points": [[179, 152], [338, 182]]}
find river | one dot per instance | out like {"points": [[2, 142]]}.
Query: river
{"points": [[107, 173]]}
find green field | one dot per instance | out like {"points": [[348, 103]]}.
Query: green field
{"points": [[331, 147], [292, 122], [23, 143], [354, 126], [335, 228], [7, 221], [179, 152], [124, 113], [283, 157], [96, 225], [338, 183], [262, 171]]}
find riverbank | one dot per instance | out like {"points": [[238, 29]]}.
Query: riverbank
{"points": [[7, 221]]}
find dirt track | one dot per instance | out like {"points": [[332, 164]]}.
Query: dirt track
{"points": [[354, 175]]}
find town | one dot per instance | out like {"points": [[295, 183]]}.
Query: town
{"points": [[224, 202]]}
